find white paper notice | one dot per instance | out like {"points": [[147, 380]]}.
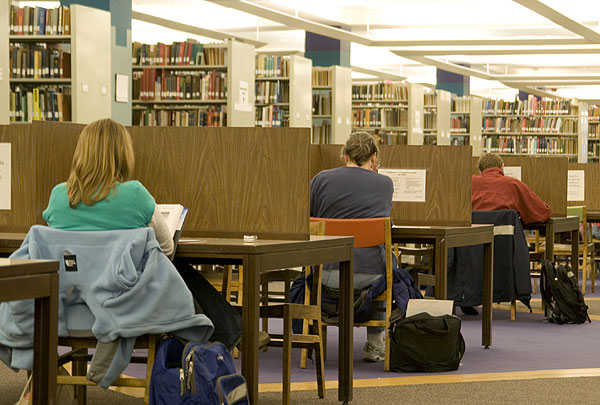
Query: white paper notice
{"points": [[122, 88], [513, 171], [5, 176], [243, 103], [417, 119], [409, 184], [575, 185]]}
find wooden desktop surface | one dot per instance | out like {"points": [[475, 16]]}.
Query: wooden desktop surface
{"points": [[448, 184], [263, 255], [442, 238], [38, 279]]}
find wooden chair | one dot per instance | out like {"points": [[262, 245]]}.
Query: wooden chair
{"points": [[78, 356], [278, 306], [370, 232], [586, 260]]}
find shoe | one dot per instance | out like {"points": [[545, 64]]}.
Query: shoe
{"points": [[469, 310], [373, 353]]}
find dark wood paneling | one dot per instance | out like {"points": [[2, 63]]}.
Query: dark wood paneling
{"points": [[547, 177], [23, 212], [592, 185], [234, 181], [448, 187]]}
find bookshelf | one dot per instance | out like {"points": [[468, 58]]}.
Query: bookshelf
{"points": [[536, 127], [49, 66], [594, 133], [392, 111], [280, 87], [465, 116], [331, 106], [192, 84], [436, 117]]}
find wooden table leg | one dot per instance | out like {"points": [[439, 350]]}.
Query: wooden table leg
{"points": [[441, 268], [488, 276], [575, 256], [345, 346], [250, 311], [45, 342]]}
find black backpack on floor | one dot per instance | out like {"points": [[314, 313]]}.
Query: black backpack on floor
{"points": [[561, 294]]}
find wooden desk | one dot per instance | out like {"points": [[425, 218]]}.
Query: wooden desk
{"points": [[277, 254], [557, 225], [9, 242], [592, 216], [38, 279], [444, 237]]}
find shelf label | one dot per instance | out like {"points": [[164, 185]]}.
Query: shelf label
{"points": [[121, 88], [409, 184], [576, 185], [5, 176], [243, 101]]}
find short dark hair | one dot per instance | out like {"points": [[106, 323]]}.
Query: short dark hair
{"points": [[360, 147], [488, 160]]}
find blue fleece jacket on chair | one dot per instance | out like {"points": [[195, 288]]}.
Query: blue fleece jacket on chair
{"points": [[129, 285]]}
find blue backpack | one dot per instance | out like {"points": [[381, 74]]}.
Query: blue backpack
{"points": [[195, 373]]}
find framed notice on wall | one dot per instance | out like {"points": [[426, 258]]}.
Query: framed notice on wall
{"points": [[5, 176], [409, 184]]}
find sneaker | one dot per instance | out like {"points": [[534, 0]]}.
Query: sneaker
{"points": [[373, 353]]}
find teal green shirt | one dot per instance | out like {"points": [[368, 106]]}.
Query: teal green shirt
{"points": [[129, 205]]}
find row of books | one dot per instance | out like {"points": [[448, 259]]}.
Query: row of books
{"points": [[272, 116], [459, 125], [386, 117], [390, 138], [48, 103], [39, 61], [321, 104], [161, 84], [594, 113], [321, 132], [184, 53], [272, 91], [594, 131], [39, 20], [272, 66], [460, 105], [531, 106], [594, 149], [380, 91], [429, 98], [529, 145], [429, 121], [205, 116], [322, 77], [554, 125]]}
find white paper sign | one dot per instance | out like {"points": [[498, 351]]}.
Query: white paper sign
{"points": [[5, 176], [418, 119], [122, 88], [409, 184], [575, 185], [513, 171], [243, 102]]}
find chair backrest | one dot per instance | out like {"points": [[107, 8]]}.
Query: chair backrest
{"points": [[317, 228], [577, 211], [367, 232]]}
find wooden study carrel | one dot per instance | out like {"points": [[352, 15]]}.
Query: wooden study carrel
{"points": [[234, 181]]}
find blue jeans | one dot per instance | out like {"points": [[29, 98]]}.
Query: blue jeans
{"points": [[331, 279]]}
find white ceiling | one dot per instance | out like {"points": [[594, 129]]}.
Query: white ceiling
{"points": [[552, 45]]}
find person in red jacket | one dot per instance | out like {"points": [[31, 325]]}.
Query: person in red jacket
{"points": [[492, 190]]}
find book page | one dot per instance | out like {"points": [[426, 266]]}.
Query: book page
{"points": [[432, 307], [171, 214]]}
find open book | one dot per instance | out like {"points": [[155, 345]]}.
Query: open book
{"points": [[174, 215]]}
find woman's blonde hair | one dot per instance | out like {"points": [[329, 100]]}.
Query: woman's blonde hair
{"points": [[102, 158]]}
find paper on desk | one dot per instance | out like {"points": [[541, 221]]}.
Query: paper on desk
{"points": [[5, 176], [432, 307]]}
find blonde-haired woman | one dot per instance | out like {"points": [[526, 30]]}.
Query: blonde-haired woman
{"points": [[100, 194]]}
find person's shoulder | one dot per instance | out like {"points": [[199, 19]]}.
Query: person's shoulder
{"points": [[59, 189]]}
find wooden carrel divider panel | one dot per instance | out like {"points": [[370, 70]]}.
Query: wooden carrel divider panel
{"points": [[234, 181], [547, 177], [592, 179], [448, 184]]}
